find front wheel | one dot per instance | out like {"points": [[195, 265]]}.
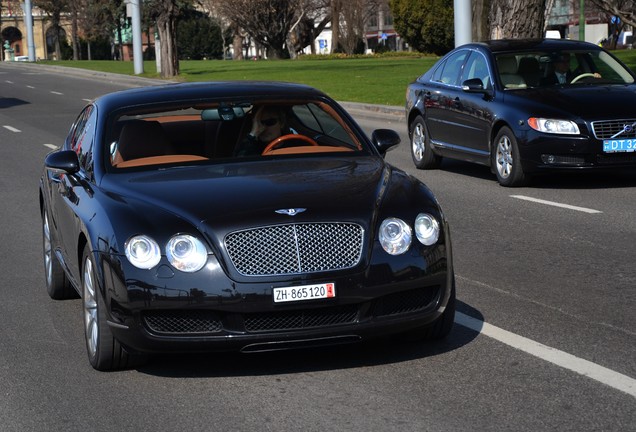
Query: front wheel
{"points": [[105, 353], [506, 160], [421, 151]]}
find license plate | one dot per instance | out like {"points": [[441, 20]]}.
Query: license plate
{"points": [[305, 292], [619, 145]]}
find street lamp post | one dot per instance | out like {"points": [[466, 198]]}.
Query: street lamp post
{"points": [[28, 18]]}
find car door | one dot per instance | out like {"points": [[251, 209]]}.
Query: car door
{"points": [[69, 192], [472, 115], [439, 100]]}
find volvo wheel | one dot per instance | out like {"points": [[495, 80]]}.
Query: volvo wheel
{"points": [[421, 151]]}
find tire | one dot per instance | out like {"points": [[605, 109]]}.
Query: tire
{"points": [[440, 328], [421, 151], [57, 284], [506, 161], [105, 353]]}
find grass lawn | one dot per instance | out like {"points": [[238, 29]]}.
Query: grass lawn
{"points": [[370, 80]]}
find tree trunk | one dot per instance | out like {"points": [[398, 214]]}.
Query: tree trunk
{"points": [[513, 19], [169, 59], [75, 37], [480, 20], [335, 25]]}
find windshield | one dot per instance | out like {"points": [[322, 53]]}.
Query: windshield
{"points": [[542, 69], [210, 131]]}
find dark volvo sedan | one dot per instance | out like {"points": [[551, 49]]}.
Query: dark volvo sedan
{"points": [[523, 107], [238, 216]]}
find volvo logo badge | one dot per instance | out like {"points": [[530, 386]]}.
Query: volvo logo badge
{"points": [[291, 211]]}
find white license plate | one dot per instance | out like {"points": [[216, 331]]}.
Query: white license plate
{"points": [[305, 292]]}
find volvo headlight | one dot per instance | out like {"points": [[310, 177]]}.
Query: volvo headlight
{"points": [[426, 229], [395, 236], [554, 126], [186, 253], [142, 252]]}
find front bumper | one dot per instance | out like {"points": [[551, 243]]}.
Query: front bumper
{"points": [[541, 152], [211, 312]]}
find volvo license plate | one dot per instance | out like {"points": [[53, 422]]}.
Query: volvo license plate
{"points": [[305, 292], [619, 145]]}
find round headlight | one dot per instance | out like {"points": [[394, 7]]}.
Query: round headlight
{"points": [[186, 253], [143, 252], [395, 236], [426, 229]]}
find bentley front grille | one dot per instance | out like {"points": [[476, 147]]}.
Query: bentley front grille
{"points": [[608, 129], [295, 248]]}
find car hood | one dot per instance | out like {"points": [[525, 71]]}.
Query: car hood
{"points": [[585, 101], [225, 197]]}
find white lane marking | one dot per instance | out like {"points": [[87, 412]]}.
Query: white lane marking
{"points": [[9, 82], [560, 358], [556, 204], [87, 100], [51, 146], [11, 128], [31, 87], [57, 93]]}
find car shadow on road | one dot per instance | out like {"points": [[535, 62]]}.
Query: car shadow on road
{"points": [[610, 179], [364, 354]]}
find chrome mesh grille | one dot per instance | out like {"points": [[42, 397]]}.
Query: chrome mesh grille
{"points": [[295, 248], [606, 129], [182, 322]]}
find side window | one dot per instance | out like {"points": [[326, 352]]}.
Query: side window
{"points": [[437, 75], [81, 136], [317, 119], [476, 67], [453, 67]]}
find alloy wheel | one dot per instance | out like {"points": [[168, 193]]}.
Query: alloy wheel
{"points": [[91, 322], [504, 157], [417, 143], [48, 251]]}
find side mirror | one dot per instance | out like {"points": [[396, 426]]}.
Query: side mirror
{"points": [[473, 85], [64, 161], [384, 140]]}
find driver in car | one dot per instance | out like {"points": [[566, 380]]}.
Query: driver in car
{"points": [[562, 73], [267, 125]]}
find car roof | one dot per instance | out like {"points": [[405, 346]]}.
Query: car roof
{"points": [[505, 45], [202, 91]]}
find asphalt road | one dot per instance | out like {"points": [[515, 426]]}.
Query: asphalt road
{"points": [[545, 337]]}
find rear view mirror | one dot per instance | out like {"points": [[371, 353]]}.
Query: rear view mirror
{"points": [[385, 139], [224, 113], [63, 161]]}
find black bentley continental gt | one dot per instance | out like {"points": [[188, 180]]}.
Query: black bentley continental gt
{"points": [[238, 216], [524, 107]]}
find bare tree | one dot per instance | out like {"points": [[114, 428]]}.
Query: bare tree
{"points": [[355, 15], [165, 13], [268, 22], [54, 9], [625, 10]]}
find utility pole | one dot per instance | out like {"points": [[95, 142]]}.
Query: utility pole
{"points": [[463, 22], [133, 10], [28, 18]]}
